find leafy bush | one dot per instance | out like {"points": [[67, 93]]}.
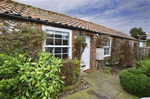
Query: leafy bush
{"points": [[144, 66], [9, 75], [148, 42], [122, 53], [28, 39], [128, 53], [107, 71], [20, 79], [70, 70], [136, 82]]}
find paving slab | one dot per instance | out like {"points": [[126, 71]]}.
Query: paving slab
{"points": [[101, 75], [109, 88], [125, 95], [104, 86], [77, 95], [115, 80]]}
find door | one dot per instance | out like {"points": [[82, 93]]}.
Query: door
{"points": [[85, 59]]}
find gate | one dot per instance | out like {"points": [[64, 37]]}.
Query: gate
{"points": [[142, 52]]}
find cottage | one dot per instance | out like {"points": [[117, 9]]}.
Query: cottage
{"points": [[61, 29]]}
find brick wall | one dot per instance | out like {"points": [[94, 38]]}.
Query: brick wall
{"points": [[144, 44]]}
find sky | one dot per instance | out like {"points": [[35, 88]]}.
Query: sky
{"points": [[120, 15]]}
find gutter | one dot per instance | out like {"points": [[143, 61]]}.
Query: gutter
{"points": [[16, 16]]}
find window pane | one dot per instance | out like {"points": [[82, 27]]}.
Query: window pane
{"points": [[58, 41], [49, 49], [104, 51], [49, 33], [58, 50], [108, 43], [58, 34], [58, 55], [65, 42], [65, 50], [65, 56], [105, 44], [49, 41], [65, 36], [107, 52]]}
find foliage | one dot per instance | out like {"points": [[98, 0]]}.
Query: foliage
{"points": [[115, 51], [134, 31], [70, 70], [148, 42], [79, 47], [144, 66], [101, 39], [122, 53], [127, 57], [107, 71], [26, 40], [9, 75], [135, 82], [20, 79], [149, 54]]}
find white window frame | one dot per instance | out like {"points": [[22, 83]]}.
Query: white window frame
{"points": [[141, 44], [131, 43], [109, 49], [55, 46]]}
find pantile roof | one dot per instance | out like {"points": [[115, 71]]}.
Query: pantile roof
{"points": [[15, 8]]}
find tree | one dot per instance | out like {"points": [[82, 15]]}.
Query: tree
{"points": [[134, 31]]}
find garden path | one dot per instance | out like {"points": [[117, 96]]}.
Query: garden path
{"points": [[104, 86]]}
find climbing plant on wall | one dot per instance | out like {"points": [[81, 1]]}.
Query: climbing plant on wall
{"points": [[122, 53], [101, 39], [27, 39], [79, 47]]}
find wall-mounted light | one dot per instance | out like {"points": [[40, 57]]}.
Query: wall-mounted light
{"points": [[97, 34]]}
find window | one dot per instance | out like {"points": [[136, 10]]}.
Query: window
{"points": [[141, 44], [57, 42], [131, 43], [107, 48]]}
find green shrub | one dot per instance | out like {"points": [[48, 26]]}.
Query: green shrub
{"points": [[27, 39], [123, 53], [9, 75], [107, 71], [23, 80], [70, 70], [144, 66], [136, 82]]}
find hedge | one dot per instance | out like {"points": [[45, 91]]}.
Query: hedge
{"points": [[136, 82]]}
